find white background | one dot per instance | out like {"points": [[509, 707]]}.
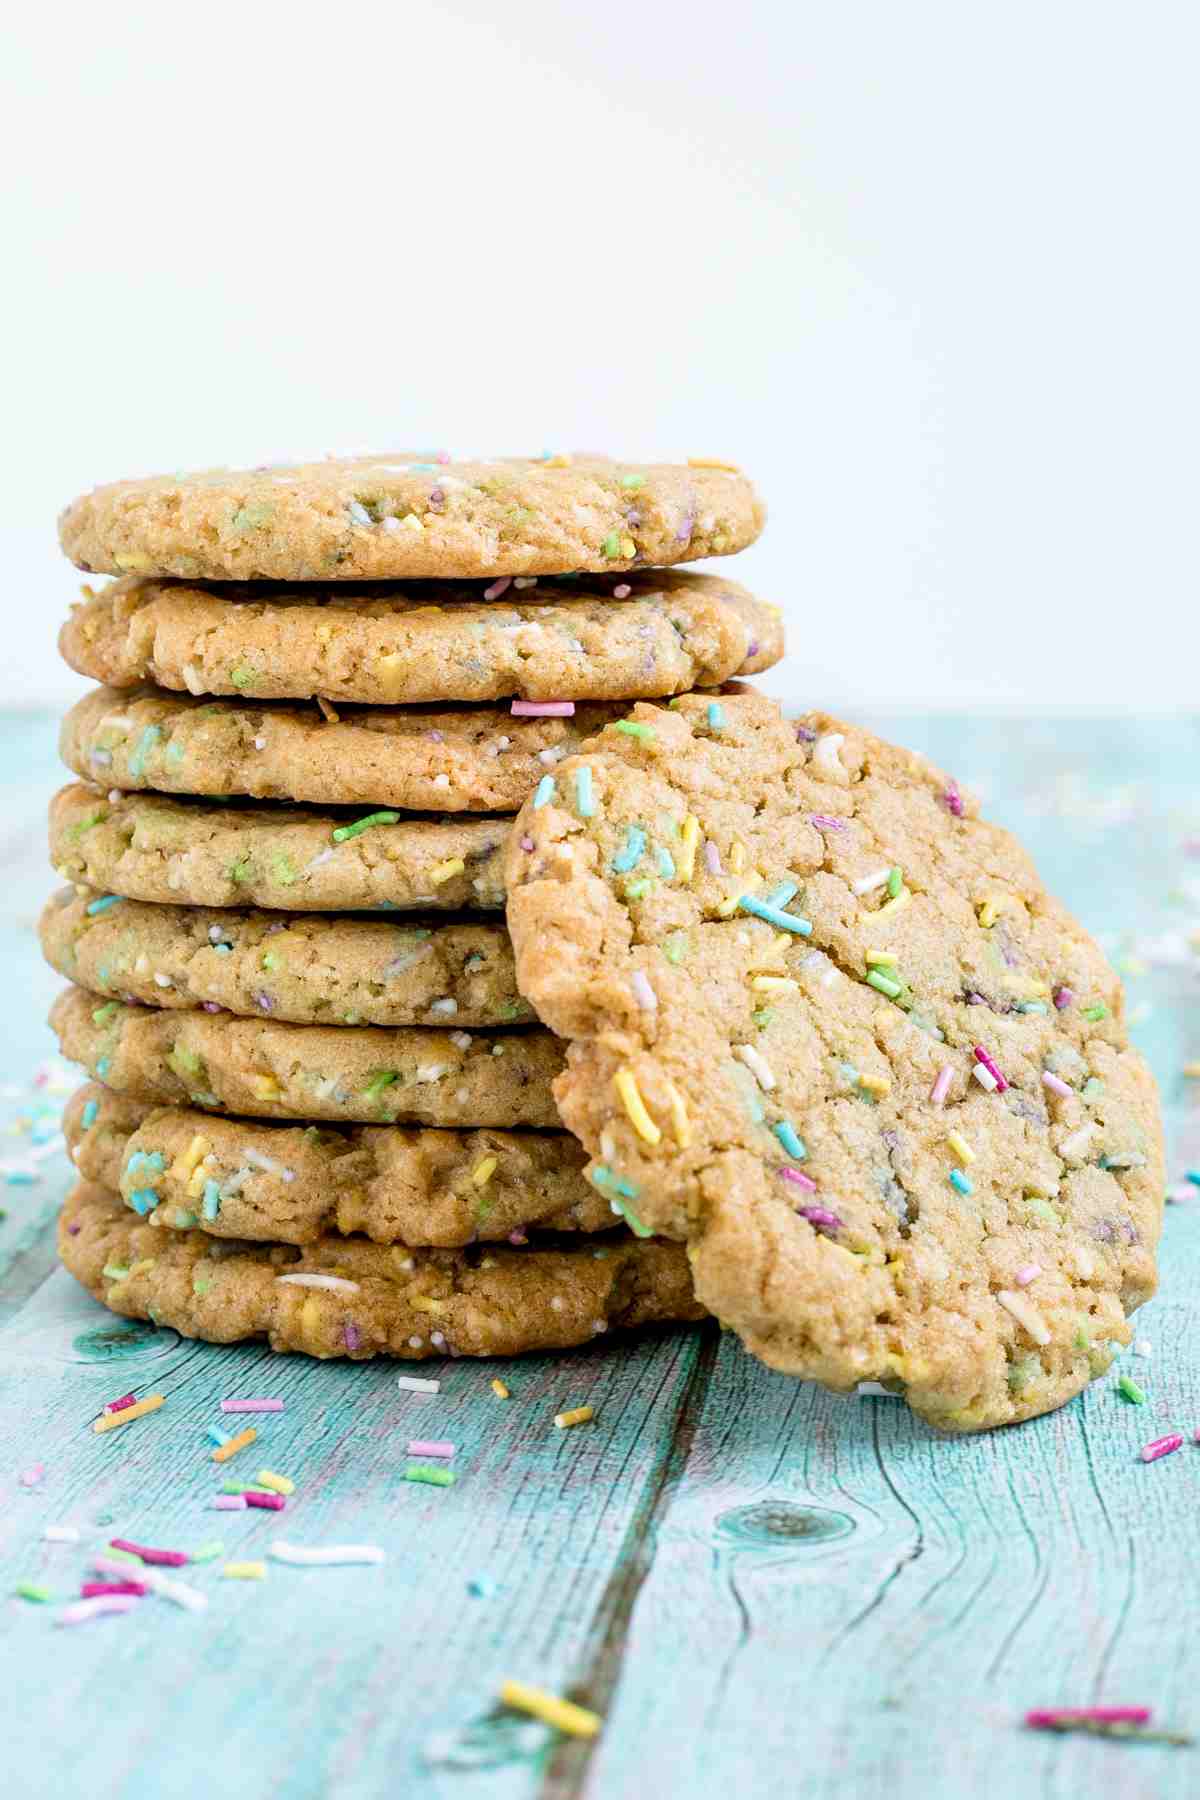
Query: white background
{"points": [[929, 271]]}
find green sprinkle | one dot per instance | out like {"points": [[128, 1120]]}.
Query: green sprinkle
{"points": [[201, 1284], [230, 1486], [1081, 1340], [611, 545], [378, 1082], [115, 1272], [88, 1117], [632, 728], [1131, 1390], [145, 744], [603, 1177], [775, 916], [635, 1225], [633, 481], [762, 1018], [29, 1590], [242, 676], [631, 852], [343, 832], [665, 863], [103, 1014], [676, 947], [958, 1180], [716, 716], [884, 983], [429, 1475], [211, 1204], [283, 869], [895, 880], [103, 1065], [585, 803], [207, 1552], [96, 818], [1099, 1011], [239, 871], [1042, 1209], [544, 794], [1023, 1372], [184, 1220], [249, 518], [637, 890], [102, 904], [785, 1131]]}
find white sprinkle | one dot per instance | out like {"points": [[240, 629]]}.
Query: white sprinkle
{"points": [[335, 1553], [825, 754], [548, 758], [441, 781], [416, 1343], [598, 1326], [557, 1304], [161, 980], [447, 1006], [82, 1610], [334, 1283], [413, 1384], [1026, 1314], [215, 935], [643, 993], [875, 1390], [259, 1160], [260, 743], [358, 513], [437, 1338], [868, 884], [1142, 1347], [985, 1078], [462, 1039], [757, 1064], [426, 1072], [1078, 1140], [61, 1534], [390, 523], [525, 581]]}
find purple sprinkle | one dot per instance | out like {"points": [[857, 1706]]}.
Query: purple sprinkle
{"points": [[712, 857], [73, 1230], [351, 1336], [527, 843], [823, 822], [805, 734], [800, 1179], [685, 529], [974, 999], [820, 1217], [953, 799], [437, 497], [517, 1237], [1063, 997], [263, 999], [752, 647], [211, 1005], [437, 737]]}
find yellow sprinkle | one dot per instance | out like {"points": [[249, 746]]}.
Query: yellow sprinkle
{"points": [[882, 959], [774, 984], [265, 1087], [689, 838], [737, 856], [628, 547], [483, 1171], [139, 1268], [728, 906], [578, 1415], [232, 1445], [630, 1097], [278, 1484], [426, 1303], [454, 865], [187, 1160], [895, 905], [562, 461], [875, 1084], [679, 1117], [564, 1715], [195, 1186], [961, 1148], [989, 912], [246, 1571], [499, 1389], [713, 462], [126, 1416], [1192, 1071]]}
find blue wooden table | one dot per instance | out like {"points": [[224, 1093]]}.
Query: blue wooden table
{"points": [[766, 1590]]}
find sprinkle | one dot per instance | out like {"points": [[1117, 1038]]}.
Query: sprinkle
{"points": [[757, 1064], [328, 1557], [1095, 1013], [1063, 997], [578, 1415], [90, 1589], [167, 1559], [792, 1143], [209, 1551], [1059, 1718], [431, 1447], [342, 832], [774, 984], [665, 863], [88, 1116], [989, 912], [277, 1484], [799, 1179], [145, 744], [430, 1476], [1025, 1314], [223, 1452], [416, 1384], [267, 1502], [83, 1610], [824, 822], [961, 1148], [820, 1218], [29, 1590], [1056, 1084], [245, 1571], [875, 1084], [1078, 1140], [782, 893], [825, 753], [337, 1284], [1130, 1390], [712, 857], [563, 1715], [102, 904], [630, 1097], [1027, 1273], [1162, 1446], [585, 801], [643, 993], [884, 984], [444, 871], [544, 793], [959, 1180], [128, 1414], [869, 883], [483, 1171], [497, 588], [230, 1502], [941, 1086], [251, 1406], [985, 1078], [679, 1117], [632, 728], [631, 852], [498, 1388], [61, 1534], [543, 709], [884, 959], [895, 880], [624, 1211], [981, 1056], [896, 904], [689, 838], [953, 799], [774, 915], [716, 716]]}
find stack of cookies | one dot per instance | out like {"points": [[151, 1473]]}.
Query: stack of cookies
{"points": [[321, 1109]]}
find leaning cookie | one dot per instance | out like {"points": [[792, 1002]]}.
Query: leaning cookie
{"points": [[434, 643], [399, 516], [829, 1028], [146, 847], [349, 1297], [306, 969], [291, 1185], [345, 1073]]}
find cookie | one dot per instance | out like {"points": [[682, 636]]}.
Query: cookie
{"points": [[829, 1028], [349, 1297], [206, 854], [263, 1069], [397, 516], [413, 646], [477, 759], [285, 1184], [303, 968]]}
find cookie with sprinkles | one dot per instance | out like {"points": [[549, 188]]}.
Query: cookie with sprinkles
{"points": [[349, 1297], [396, 517], [655, 634], [306, 968], [264, 1069], [204, 853], [178, 1167], [828, 1028]]}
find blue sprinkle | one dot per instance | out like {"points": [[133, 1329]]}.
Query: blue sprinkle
{"points": [[216, 1436], [103, 1065], [20, 1178], [779, 896], [631, 852], [716, 716], [958, 1180], [145, 1159], [222, 949], [585, 803], [102, 904], [1193, 1175], [212, 1200], [665, 863], [785, 1131], [143, 1200], [545, 793], [774, 916], [481, 1586], [145, 744], [89, 1114]]}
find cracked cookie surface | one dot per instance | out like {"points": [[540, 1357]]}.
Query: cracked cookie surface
{"points": [[828, 1028]]}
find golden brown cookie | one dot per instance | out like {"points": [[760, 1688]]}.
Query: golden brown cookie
{"points": [[349, 1297], [397, 516], [288, 1184], [348, 1073], [305, 968], [674, 631], [828, 1027], [201, 853]]}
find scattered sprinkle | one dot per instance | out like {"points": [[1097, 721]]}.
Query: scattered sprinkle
{"points": [[792, 1143], [223, 1452], [563, 1715], [251, 1406], [716, 716], [499, 1389], [167, 1559], [1026, 1273], [961, 1148], [630, 1097], [417, 1384], [336, 1284], [774, 915], [83, 1610], [110, 1421], [757, 1064], [632, 728], [278, 1484], [643, 993], [585, 800], [325, 1558], [266, 1502], [245, 1571], [431, 1447], [445, 871], [1129, 1390], [1162, 1446], [431, 1476], [342, 832], [577, 1415]]}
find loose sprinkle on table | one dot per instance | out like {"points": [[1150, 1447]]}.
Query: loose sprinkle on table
{"points": [[266, 1502], [83, 1610], [251, 1406], [577, 1415], [167, 1559], [223, 1452], [332, 1555], [431, 1476], [417, 1384], [498, 1388], [29, 1590], [431, 1447], [60, 1534], [278, 1484], [245, 1571], [110, 1421], [1162, 1446], [563, 1715], [1129, 1388]]}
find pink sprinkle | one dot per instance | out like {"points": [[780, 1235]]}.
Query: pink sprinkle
{"points": [[800, 1179], [230, 1502], [443, 456], [622, 591], [820, 1218], [712, 857], [1046, 1717], [211, 1005], [543, 709], [497, 588], [169, 1559], [252, 1406], [941, 1087], [1056, 1084], [1162, 1446], [982, 1056], [120, 1405], [83, 1610], [805, 734], [430, 1447], [823, 822], [1027, 1273], [1063, 997], [268, 1502], [527, 844], [90, 1589], [31, 1477], [953, 799], [643, 993]]}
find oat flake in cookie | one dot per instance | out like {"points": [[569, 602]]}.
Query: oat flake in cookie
{"points": [[828, 1028]]}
